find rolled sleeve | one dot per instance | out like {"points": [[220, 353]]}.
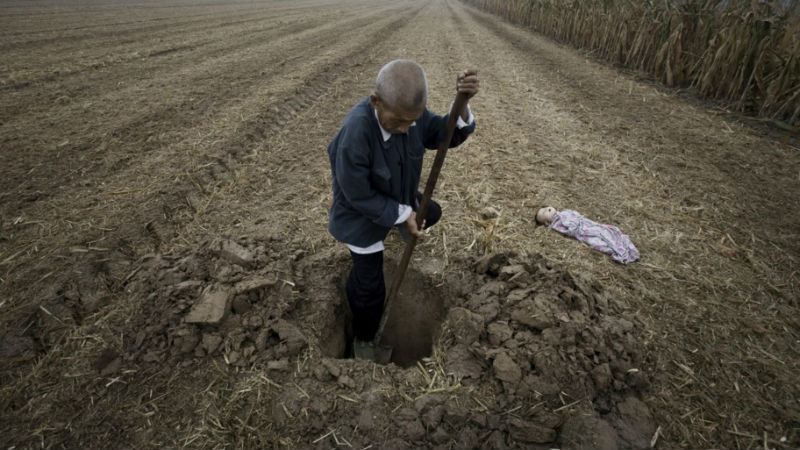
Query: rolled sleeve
{"points": [[470, 119], [435, 128], [404, 212]]}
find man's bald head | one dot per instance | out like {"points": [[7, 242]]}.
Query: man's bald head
{"points": [[401, 84]]}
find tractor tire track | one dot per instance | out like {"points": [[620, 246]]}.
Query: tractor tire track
{"points": [[136, 133], [158, 206]]}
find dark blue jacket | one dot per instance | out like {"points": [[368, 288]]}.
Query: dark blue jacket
{"points": [[372, 177]]}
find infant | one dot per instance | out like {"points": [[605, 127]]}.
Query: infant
{"points": [[604, 238]]}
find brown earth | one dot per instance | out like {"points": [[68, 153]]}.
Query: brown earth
{"points": [[159, 156]]}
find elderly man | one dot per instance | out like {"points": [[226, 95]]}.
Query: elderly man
{"points": [[376, 162]]}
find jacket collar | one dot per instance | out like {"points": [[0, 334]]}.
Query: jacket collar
{"points": [[385, 134]]}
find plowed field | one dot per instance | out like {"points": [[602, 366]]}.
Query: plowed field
{"points": [[138, 139]]}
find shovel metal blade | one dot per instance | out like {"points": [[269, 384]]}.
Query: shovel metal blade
{"points": [[383, 354]]}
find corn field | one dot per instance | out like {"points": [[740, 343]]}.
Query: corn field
{"points": [[745, 53]]}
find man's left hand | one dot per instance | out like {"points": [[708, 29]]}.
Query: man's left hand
{"points": [[468, 83]]}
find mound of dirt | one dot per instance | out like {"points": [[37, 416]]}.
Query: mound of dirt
{"points": [[502, 352], [227, 299], [537, 335]]}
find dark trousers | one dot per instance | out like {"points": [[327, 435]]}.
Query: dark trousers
{"points": [[366, 287]]}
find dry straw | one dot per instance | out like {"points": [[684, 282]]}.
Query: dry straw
{"points": [[745, 53]]}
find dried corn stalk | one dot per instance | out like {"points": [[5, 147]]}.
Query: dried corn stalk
{"points": [[742, 52]]}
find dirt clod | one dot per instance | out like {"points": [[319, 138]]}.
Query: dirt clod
{"points": [[506, 369], [460, 361], [602, 377], [525, 431], [499, 332], [232, 252], [535, 313], [212, 306], [255, 284], [467, 325], [291, 338], [241, 305], [634, 422], [490, 263], [433, 417], [211, 343], [588, 432]]}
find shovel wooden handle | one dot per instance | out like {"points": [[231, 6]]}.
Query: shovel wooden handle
{"points": [[455, 111]]}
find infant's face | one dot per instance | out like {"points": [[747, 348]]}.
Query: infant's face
{"points": [[545, 215]]}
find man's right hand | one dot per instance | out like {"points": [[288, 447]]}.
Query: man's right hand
{"points": [[467, 83], [411, 225]]}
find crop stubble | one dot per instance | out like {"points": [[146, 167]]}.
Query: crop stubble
{"points": [[226, 133]]}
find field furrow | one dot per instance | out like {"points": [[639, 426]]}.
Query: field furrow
{"points": [[133, 135], [222, 78]]}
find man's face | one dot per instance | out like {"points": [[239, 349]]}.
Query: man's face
{"points": [[394, 120]]}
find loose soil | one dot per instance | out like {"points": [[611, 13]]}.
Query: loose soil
{"points": [[166, 278]]}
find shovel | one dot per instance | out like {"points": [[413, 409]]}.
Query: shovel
{"points": [[383, 353]]}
